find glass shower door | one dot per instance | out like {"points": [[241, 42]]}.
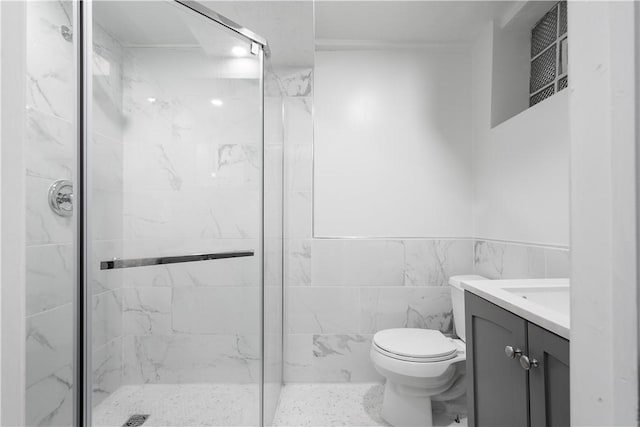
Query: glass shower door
{"points": [[174, 217]]}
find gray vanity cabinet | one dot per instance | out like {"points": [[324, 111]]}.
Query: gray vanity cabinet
{"points": [[549, 381], [497, 386], [501, 390]]}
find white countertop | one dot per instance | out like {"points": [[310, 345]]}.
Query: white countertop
{"points": [[544, 302]]}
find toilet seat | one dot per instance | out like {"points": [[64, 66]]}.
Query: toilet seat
{"points": [[415, 345], [419, 365], [414, 359]]}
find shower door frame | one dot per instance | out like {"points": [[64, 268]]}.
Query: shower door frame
{"points": [[82, 327]]}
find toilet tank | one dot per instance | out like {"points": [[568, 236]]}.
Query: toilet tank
{"points": [[457, 301]]}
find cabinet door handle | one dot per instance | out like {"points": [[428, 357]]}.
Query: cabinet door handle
{"points": [[512, 352], [527, 363]]}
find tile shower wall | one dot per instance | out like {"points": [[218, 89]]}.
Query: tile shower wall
{"points": [[49, 151], [273, 235], [166, 324], [193, 180], [106, 161]]}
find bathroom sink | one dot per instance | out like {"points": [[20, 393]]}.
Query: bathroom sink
{"points": [[544, 302], [554, 297]]}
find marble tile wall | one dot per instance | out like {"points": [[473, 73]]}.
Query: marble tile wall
{"points": [[193, 183], [498, 260], [49, 152], [106, 157], [340, 292], [274, 245]]}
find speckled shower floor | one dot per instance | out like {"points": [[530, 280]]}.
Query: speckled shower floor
{"points": [[318, 405], [183, 405]]}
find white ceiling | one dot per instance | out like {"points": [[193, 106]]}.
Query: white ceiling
{"points": [[405, 21], [129, 22], [287, 25]]}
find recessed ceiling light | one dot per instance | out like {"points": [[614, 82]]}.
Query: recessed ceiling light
{"points": [[151, 100], [239, 51], [216, 102]]}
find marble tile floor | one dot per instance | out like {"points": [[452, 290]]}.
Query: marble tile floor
{"points": [[347, 404], [183, 405]]}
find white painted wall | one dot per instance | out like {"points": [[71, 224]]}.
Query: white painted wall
{"points": [[604, 319], [389, 115], [511, 58], [392, 150], [521, 167], [510, 77]]}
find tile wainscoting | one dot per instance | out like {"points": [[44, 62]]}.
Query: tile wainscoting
{"points": [[499, 260], [339, 292]]}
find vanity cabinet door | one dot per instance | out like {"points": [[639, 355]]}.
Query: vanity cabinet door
{"points": [[549, 380], [497, 385]]}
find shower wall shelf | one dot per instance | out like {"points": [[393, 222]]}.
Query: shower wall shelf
{"points": [[143, 262]]}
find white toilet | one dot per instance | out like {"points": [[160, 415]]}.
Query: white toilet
{"points": [[421, 365]]}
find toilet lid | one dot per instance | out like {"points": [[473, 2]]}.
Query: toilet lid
{"points": [[415, 343]]}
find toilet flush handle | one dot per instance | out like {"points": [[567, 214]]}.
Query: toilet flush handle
{"points": [[512, 352]]}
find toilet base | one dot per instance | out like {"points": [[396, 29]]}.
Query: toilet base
{"points": [[404, 406]]}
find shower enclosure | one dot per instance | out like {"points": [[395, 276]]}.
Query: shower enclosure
{"points": [[154, 217]]}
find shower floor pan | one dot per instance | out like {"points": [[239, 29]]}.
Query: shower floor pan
{"points": [[181, 405]]}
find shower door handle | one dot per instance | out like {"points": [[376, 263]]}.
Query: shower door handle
{"points": [[143, 262]]}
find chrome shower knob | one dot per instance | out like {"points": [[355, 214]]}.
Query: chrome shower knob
{"points": [[61, 197], [512, 352]]}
